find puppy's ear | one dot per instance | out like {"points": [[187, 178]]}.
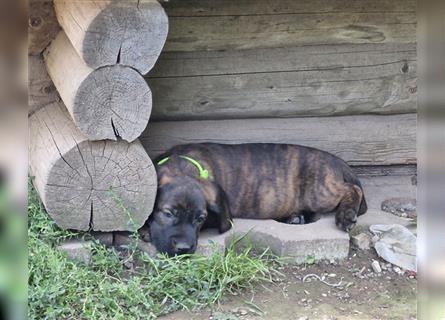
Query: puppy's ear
{"points": [[218, 206], [164, 179]]}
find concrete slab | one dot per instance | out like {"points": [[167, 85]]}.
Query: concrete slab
{"points": [[318, 241], [321, 240], [77, 250], [378, 189], [208, 242]]}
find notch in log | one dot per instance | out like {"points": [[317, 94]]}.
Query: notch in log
{"points": [[88, 185], [106, 32], [107, 103]]}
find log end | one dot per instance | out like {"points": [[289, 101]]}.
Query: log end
{"points": [[127, 33], [102, 186], [89, 185], [113, 102]]}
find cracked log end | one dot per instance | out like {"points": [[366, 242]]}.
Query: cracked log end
{"points": [[131, 33], [113, 102], [89, 185], [107, 103]]}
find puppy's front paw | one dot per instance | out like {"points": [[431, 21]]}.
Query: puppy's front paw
{"points": [[144, 234], [346, 219]]}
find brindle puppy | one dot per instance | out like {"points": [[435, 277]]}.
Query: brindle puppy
{"points": [[288, 183]]}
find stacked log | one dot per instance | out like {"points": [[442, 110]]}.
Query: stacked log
{"points": [[107, 103], [89, 168], [88, 185], [106, 32]]}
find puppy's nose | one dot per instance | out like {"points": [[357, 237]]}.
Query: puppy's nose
{"points": [[182, 247]]}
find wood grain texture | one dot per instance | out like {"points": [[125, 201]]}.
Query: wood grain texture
{"points": [[106, 103], [42, 25], [107, 32], [41, 90], [245, 24], [285, 82], [391, 170], [73, 176], [359, 140]]}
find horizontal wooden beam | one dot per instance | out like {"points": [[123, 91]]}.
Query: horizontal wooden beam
{"points": [[245, 24], [359, 140], [214, 8], [285, 82]]}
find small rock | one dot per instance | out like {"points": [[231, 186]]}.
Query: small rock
{"points": [[78, 250], [403, 207], [128, 264], [376, 266], [397, 270], [243, 312], [361, 241]]}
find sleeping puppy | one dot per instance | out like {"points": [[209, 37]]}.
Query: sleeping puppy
{"points": [[206, 185]]}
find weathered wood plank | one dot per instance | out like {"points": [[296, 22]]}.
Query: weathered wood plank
{"points": [[359, 140], [41, 90], [106, 103], [196, 8], [285, 82], [106, 32], [392, 170], [244, 24], [42, 25], [73, 176]]}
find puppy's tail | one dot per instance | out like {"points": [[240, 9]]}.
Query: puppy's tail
{"points": [[350, 177]]}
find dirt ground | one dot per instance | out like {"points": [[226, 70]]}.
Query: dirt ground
{"points": [[363, 294]]}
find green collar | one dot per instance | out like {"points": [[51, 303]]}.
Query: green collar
{"points": [[203, 173]]}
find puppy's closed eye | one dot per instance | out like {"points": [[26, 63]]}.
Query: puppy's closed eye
{"points": [[201, 219], [168, 214]]}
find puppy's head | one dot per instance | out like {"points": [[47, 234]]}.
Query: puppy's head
{"points": [[183, 205]]}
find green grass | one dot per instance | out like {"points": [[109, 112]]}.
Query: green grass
{"points": [[62, 289]]}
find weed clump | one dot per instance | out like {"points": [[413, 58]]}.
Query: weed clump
{"points": [[60, 288]]}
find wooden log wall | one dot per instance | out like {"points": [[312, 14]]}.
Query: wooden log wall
{"points": [[349, 67], [85, 180]]}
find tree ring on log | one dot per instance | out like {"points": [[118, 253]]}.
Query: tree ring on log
{"points": [[102, 186], [131, 34], [89, 185], [113, 102]]}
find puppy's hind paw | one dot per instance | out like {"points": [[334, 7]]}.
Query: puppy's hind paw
{"points": [[296, 219]]}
